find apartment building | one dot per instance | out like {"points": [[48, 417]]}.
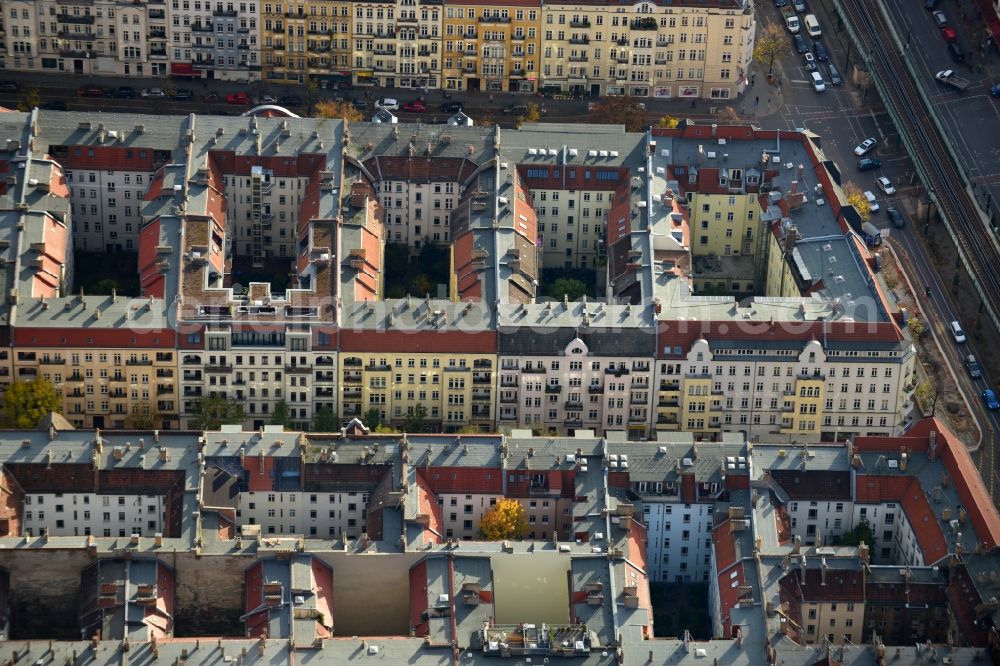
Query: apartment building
{"points": [[566, 379], [290, 598], [682, 50], [127, 600], [397, 44], [492, 46], [308, 42]]}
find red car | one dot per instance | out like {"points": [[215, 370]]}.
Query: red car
{"points": [[416, 106], [90, 91], [949, 34], [238, 98]]}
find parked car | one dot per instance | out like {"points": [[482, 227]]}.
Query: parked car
{"points": [[895, 217], [949, 34], [360, 104], [183, 94], [387, 103], [55, 105], [930, 4], [451, 107], [990, 398], [956, 52], [810, 61], [292, 100], [872, 201], [8, 86], [835, 77], [267, 99], [885, 185], [940, 20], [153, 92], [801, 45], [995, 90], [865, 147], [416, 106], [122, 92], [516, 110], [820, 51], [238, 98], [800, 6], [972, 365], [780, 3], [819, 85], [211, 97], [869, 163], [90, 91]]}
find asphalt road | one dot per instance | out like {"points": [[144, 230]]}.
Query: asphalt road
{"points": [[972, 117]]}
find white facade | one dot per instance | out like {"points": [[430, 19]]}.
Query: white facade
{"points": [[828, 519], [107, 207], [339, 515], [571, 225], [576, 390], [418, 212], [462, 513], [82, 514], [679, 541], [281, 204]]}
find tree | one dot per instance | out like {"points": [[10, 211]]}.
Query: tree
{"points": [[506, 520], [468, 429], [771, 45], [533, 115], [373, 418], [857, 198], [422, 285], [211, 412], [143, 416], [29, 100], [416, 420], [622, 110], [325, 420], [862, 533], [668, 122], [25, 403], [926, 395], [569, 287], [916, 327], [384, 429], [281, 416], [329, 108], [728, 116]]}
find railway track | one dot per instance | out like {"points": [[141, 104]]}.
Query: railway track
{"points": [[942, 176]]}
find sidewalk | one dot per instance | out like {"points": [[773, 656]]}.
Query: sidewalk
{"points": [[762, 98]]}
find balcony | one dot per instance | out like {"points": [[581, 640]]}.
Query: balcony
{"points": [[671, 402], [579, 40], [666, 420], [349, 362], [198, 27], [469, 35], [457, 368], [217, 368], [573, 423], [75, 377], [672, 385], [192, 391], [579, 58], [595, 389], [494, 19], [637, 401], [118, 393], [573, 404], [637, 418], [157, 14], [617, 372], [52, 361], [352, 377], [325, 393], [579, 23], [81, 20], [164, 357], [297, 369], [351, 392], [352, 410], [157, 34], [482, 380], [115, 379], [553, 388], [482, 363], [326, 376], [75, 393], [162, 389], [517, 38], [385, 52], [327, 361], [190, 376], [224, 12], [508, 399], [534, 370], [157, 53], [138, 361], [647, 23]]}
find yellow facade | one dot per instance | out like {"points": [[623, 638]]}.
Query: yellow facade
{"points": [[454, 389], [491, 46], [306, 43], [103, 387], [723, 224], [701, 410], [803, 407], [780, 281]]}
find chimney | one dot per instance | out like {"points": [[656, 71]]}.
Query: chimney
{"points": [[802, 569], [932, 445], [902, 460], [796, 544], [802, 170], [531, 452], [795, 187], [822, 571]]}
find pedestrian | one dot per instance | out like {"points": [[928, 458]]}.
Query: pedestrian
{"points": [[753, 78], [756, 100], [769, 101], [692, 104]]}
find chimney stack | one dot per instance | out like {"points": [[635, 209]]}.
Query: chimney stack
{"points": [[822, 571], [932, 445]]}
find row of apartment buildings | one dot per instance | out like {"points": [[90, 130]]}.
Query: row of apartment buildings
{"points": [[691, 49], [760, 522], [817, 349]]}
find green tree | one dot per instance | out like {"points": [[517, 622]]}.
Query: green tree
{"points": [[212, 411], [622, 110], [572, 288], [416, 421], [861, 533], [281, 416], [29, 99], [143, 416], [325, 420], [373, 418], [25, 403], [771, 45], [506, 520], [422, 285]]}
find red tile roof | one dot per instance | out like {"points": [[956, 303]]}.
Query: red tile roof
{"points": [[725, 546], [924, 524]]}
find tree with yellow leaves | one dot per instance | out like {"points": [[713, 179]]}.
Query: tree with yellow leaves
{"points": [[857, 198], [506, 520], [329, 108]]}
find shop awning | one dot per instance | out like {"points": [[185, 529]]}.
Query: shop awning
{"points": [[184, 70]]}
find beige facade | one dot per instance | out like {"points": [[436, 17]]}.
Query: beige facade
{"points": [[397, 44], [681, 50]]}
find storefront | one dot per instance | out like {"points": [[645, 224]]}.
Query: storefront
{"points": [[184, 70]]}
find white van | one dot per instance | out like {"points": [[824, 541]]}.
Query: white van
{"points": [[792, 23], [819, 85], [812, 25], [957, 332]]}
